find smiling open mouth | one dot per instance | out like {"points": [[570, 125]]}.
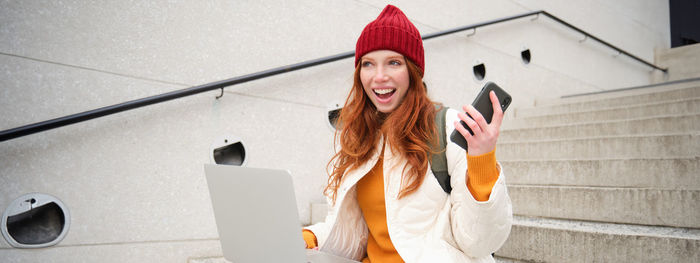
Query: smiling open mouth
{"points": [[384, 93]]}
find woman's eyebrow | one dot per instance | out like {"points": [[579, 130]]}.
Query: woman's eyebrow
{"points": [[367, 59], [386, 58]]}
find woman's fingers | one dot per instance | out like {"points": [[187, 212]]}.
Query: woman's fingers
{"points": [[462, 130], [485, 134], [476, 117], [497, 117], [476, 130], [470, 123]]}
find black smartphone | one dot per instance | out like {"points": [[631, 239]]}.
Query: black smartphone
{"points": [[482, 103]]}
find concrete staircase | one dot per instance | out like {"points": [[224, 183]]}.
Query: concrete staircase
{"points": [[611, 177]]}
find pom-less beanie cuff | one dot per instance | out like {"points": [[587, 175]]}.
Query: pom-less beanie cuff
{"points": [[393, 31]]}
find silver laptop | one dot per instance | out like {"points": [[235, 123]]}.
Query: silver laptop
{"points": [[256, 215]]}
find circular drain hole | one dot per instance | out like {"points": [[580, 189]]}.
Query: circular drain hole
{"points": [[35, 220], [228, 150]]}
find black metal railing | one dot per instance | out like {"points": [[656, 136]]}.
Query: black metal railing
{"points": [[96, 113]]}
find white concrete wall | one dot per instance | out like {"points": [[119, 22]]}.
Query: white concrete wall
{"points": [[683, 63], [134, 181]]}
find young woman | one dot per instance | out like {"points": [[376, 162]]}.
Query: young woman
{"points": [[387, 206]]}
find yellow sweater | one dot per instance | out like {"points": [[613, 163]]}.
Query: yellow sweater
{"points": [[370, 196], [483, 173]]}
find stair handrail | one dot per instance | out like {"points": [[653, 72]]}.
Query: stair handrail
{"points": [[108, 110]]}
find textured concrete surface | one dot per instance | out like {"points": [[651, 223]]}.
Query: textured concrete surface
{"points": [[609, 147], [681, 61], [679, 208], [133, 183], [675, 107], [152, 251], [664, 124], [621, 181], [640, 173], [549, 240], [37, 91], [632, 16], [318, 212], [670, 92], [181, 42], [208, 260], [451, 81]]}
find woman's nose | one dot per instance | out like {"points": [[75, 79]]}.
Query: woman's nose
{"points": [[381, 76]]}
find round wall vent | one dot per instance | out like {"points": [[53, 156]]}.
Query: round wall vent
{"points": [[525, 56], [35, 220], [479, 70], [333, 114], [228, 150]]}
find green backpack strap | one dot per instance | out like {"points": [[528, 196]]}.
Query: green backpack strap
{"points": [[439, 160]]}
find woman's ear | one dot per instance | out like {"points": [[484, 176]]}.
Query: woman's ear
{"points": [[426, 87]]}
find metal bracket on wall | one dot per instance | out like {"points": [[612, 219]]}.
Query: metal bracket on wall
{"points": [[220, 95], [584, 38]]}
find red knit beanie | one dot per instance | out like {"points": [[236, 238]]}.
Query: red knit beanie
{"points": [[391, 30]]}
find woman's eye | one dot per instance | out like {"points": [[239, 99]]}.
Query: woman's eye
{"points": [[395, 62], [366, 63]]}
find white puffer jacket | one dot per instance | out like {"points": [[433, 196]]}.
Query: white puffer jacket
{"points": [[428, 225]]}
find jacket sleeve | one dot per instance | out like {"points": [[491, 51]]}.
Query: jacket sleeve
{"points": [[479, 228], [322, 229]]}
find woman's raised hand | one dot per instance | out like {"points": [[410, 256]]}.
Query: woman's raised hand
{"points": [[485, 134]]}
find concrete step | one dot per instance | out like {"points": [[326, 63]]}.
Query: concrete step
{"points": [[551, 240], [648, 125], [610, 101], [667, 108], [507, 260], [622, 93], [613, 147], [650, 173], [208, 260], [643, 206]]}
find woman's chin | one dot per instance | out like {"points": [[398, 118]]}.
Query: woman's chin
{"points": [[386, 109]]}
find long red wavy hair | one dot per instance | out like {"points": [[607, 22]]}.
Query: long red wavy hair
{"points": [[409, 130]]}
